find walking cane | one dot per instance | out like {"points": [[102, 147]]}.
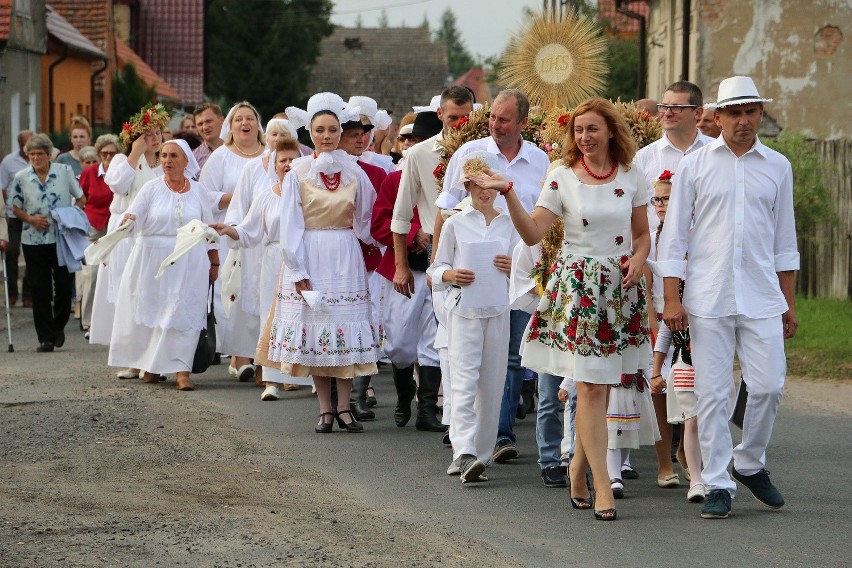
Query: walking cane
{"points": [[6, 294]]}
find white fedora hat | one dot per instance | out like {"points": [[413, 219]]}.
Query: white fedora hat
{"points": [[738, 91]]}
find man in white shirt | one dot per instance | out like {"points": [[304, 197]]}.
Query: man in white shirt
{"points": [[418, 188], [13, 163], [731, 211], [526, 165], [208, 122], [679, 112]]}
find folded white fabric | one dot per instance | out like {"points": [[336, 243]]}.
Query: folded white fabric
{"points": [[232, 274], [100, 249], [188, 236]]}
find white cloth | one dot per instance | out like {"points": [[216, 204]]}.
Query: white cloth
{"points": [[102, 247], [759, 345], [410, 327], [523, 289], [188, 236], [478, 357], [469, 226], [734, 216], [418, 187], [378, 160], [260, 229], [230, 280], [527, 171], [662, 155], [157, 322]]}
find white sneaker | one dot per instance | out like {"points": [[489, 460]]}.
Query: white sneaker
{"points": [[454, 468], [127, 374], [696, 493], [271, 392], [245, 373]]}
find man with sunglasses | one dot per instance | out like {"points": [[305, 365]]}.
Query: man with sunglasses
{"points": [[680, 110]]}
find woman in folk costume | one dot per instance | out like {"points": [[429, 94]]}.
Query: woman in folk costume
{"points": [[158, 320], [320, 323], [244, 141], [261, 230], [142, 137]]}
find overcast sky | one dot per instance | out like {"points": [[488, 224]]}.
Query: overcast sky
{"points": [[486, 25]]}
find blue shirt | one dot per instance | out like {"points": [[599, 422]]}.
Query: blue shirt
{"points": [[37, 198]]}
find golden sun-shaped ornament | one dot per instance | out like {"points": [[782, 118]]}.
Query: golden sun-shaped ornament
{"points": [[557, 62]]}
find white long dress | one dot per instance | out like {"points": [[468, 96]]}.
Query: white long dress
{"points": [[157, 322], [320, 229], [261, 230], [125, 183], [220, 176]]}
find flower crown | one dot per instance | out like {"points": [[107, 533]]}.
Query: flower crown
{"points": [[150, 116], [665, 176]]}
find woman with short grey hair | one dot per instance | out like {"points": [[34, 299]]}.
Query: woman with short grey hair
{"points": [[36, 191]]}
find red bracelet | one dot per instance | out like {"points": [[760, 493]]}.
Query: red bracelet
{"points": [[508, 188]]}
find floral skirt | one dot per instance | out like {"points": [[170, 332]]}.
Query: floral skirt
{"points": [[335, 338], [586, 326]]}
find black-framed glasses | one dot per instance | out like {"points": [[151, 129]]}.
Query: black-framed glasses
{"points": [[660, 200], [675, 109]]}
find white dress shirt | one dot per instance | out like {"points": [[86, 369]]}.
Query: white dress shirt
{"points": [[734, 218], [469, 226], [527, 171], [418, 187]]}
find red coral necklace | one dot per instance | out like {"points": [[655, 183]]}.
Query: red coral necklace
{"points": [[593, 174], [331, 182]]}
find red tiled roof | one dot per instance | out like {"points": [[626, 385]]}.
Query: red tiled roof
{"points": [[127, 55], [5, 18], [62, 31], [90, 17], [171, 40], [475, 80], [620, 23]]}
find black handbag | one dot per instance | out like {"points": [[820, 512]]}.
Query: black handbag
{"points": [[205, 351]]}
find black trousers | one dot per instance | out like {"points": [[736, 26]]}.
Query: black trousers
{"points": [[12, 254], [51, 290]]}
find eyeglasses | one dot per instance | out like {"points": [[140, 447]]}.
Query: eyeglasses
{"points": [[660, 200], [675, 109], [107, 154]]}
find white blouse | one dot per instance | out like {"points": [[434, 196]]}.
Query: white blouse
{"points": [[126, 181]]}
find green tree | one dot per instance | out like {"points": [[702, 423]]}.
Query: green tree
{"points": [[264, 52], [383, 19], [459, 58], [811, 196], [623, 80], [129, 94]]}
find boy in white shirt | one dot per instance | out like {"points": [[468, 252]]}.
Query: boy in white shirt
{"points": [[478, 319]]}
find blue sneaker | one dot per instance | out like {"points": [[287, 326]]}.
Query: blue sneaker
{"points": [[717, 505], [761, 488]]}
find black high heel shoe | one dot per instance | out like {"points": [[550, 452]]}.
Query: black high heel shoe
{"points": [[606, 515], [325, 427], [353, 426]]}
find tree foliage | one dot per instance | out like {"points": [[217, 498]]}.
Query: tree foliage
{"points": [[459, 58], [811, 196], [129, 94], [264, 51], [623, 80]]}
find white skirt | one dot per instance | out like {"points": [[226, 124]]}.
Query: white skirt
{"points": [[157, 322], [338, 336], [106, 287], [269, 272], [630, 418]]}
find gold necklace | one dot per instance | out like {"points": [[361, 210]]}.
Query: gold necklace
{"points": [[244, 154], [181, 190]]}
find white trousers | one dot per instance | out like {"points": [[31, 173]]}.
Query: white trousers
{"points": [[409, 325], [479, 355], [759, 344]]}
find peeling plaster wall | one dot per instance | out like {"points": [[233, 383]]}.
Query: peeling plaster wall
{"points": [[797, 52]]}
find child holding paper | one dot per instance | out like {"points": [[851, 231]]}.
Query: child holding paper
{"points": [[473, 263]]}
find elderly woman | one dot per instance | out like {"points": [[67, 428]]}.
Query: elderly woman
{"points": [[261, 226], [98, 199], [36, 191], [320, 322], [142, 137], [236, 330], [592, 320], [81, 136], [158, 320]]}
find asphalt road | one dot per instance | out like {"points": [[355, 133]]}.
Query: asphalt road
{"points": [[399, 474]]}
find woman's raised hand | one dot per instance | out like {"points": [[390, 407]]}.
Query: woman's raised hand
{"points": [[225, 230], [490, 180]]}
